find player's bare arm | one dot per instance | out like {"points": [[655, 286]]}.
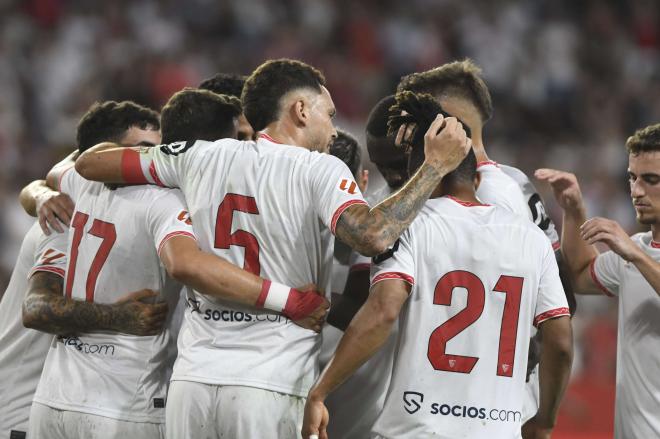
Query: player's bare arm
{"points": [[365, 335], [46, 309], [554, 372], [103, 163], [610, 233], [219, 278], [577, 253], [54, 209], [372, 231]]}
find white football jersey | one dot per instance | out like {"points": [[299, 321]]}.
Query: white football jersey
{"points": [[637, 354], [23, 351], [499, 189], [114, 241], [534, 203], [480, 276], [271, 209]]}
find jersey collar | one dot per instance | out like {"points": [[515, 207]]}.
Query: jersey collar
{"points": [[465, 203]]}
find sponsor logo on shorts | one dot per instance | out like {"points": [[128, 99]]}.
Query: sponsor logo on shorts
{"points": [[230, 315], [86, 348], [414, 402]]}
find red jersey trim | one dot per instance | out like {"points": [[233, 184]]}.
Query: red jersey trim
{"points": [[360, 267], [340, 210], [48, 268], [267, 137], [655, 244], [466, 203], [59, 180], [131, 169], [172, 235], [552, 314], [594, 277], [487, 162], [556, 245], [391, 275]]}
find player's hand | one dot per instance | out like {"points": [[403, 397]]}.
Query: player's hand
{"points": [[445, 144], [135, 316], [316, 419], [54, 209], [611, 234], [405, 135], [315, 310], [363, 181], [533, 429], [565, 188]]}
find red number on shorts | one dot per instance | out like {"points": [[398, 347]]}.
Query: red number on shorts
{"points": [[223, 236], [100, 229], [511, 286]]}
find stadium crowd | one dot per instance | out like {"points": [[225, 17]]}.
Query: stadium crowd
{"points": [[570, 81]]}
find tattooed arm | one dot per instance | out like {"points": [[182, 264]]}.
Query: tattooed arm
{"points": [[372, 231], [46, 309]]}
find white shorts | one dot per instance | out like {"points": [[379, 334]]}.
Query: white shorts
{"points": [[50, 423], [204, 411], [531, 396]]}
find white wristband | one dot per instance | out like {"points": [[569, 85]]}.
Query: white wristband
{"points": [[277, 296]]}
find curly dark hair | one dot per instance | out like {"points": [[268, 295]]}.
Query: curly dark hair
{"points": [[266, 86], [422, 110], [346, 148], [194, 114], [229, 84], [108, 121], [458, 79], [644, 140]]}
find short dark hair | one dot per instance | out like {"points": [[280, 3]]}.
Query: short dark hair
{"points": [[108, 122], [266, 86], [230, 84], [458, 79], [346, 148], [194, 114], [644, 140], [378, 117]]}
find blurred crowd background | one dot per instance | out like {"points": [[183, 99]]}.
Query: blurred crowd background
{"points": [[571, 80]]}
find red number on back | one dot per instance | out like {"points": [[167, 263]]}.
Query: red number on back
{"points": [[223, 236], [100, 229], [455, 325], [509, 285]]}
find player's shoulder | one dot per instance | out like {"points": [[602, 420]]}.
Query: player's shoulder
{"points": [[515, 173], [149, 195], [644, 239], [199, 147]]}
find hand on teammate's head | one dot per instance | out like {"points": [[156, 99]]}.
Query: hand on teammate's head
{"points": [[564, 186]]}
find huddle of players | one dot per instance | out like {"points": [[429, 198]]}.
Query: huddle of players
{"points": [[247, 341]]}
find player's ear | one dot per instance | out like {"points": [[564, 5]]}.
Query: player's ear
{"points": [[477, 180], [300, 112]]}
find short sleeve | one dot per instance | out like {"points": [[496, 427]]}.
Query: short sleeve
{"points": [[71, 183], [164, 165], [605, 271], [168, 217], [500, 190], [396, 263], [333, 189], [551, 299], [51, 254]]}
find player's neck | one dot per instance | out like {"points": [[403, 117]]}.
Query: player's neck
{"points": [[282, 132], [479, 149], [655, 232], [461, 192]]}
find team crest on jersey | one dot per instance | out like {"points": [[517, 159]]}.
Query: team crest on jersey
{"points": [[348, 186], [177, 148], [184, 217]]}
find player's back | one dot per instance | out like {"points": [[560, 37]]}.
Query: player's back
{"points": [[113, 246], [270, 209], [460, 368]]}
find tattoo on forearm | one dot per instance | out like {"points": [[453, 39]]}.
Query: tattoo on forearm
{"points": [[46, 309], [390, 218]]}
